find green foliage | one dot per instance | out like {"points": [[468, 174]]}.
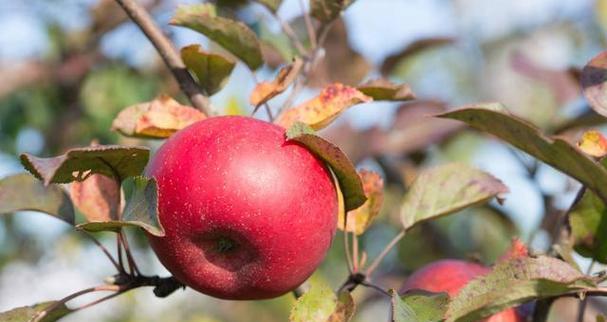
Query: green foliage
{"points": [[24, 192], [384, 90], [328, 10], [211, 70], [588, 221], [446, 189], [419, 306], [555, 151], [233, 35], [26, 313], [349, 181], [114, 161], [141, 209], [514, 282], [321, 304]]}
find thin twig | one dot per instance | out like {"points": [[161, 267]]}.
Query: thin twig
{"points": [[375, 287], [169, 54], [119, 252], [583, 303], [38, 317], [347, 246], [288, 30], [384, 252], [100, 300], [355, 259], [309, 26], [104, 250]]}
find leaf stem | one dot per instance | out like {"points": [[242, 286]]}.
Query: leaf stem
{"points": [[38, 317], [169, 54], [129, 255], [384, 252], [104, 250], [584, 302]]}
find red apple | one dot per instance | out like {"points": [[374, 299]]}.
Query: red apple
{"points": [[247, 214], [450, 276]]}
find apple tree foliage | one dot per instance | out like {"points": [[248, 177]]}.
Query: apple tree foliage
{"points": [[104, 182]]}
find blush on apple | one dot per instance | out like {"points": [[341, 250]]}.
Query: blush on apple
{"points": [[450, 276], [247, 214]]}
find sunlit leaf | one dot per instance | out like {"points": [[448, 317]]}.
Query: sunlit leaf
{"points": [[234, 36], [265, 91], [419, 306], [594, 77], [593, 143], [157, 119], [320, 111], [588, 221], [321, 304], [24, 192], [445, 189], [211, 70], [141, 209], [514, 282], [77, 164], [361, 218], [349, 180], [26, 313], [494, 119], [97, 197], [328, 10], [384, 90]]}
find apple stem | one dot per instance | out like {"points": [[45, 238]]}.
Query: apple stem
{"points": [[169, 54], [384, 252]]}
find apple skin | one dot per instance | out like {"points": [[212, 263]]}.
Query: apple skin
{"points": [[450, 275], [247, 215]]}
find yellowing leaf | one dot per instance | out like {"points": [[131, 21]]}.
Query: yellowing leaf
{"points": [[265, 91], [211, 70], [159, 118], [593, 143], [97, 197], [361, 218], [320, 111]]}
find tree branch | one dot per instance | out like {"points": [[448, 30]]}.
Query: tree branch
{"points": [[169, 54]]}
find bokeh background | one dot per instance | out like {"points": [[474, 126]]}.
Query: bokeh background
{"points": [[68, 66]]}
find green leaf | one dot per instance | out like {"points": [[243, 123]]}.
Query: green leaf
{"points": [[141, 210], [349, 180], [270, 4], [211, 70], [594, 79], [321, 304], [445, 189], [384, 90], [26, 313], [494, 119], [234, 36], [514, 282], [24, 192], [419, 306], [328, 10], [588, 221], [77, 164]]}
